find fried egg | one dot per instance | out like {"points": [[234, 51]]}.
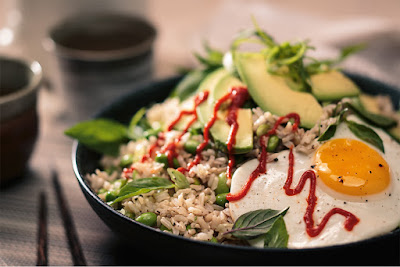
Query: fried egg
{"points": [[351, 175]]}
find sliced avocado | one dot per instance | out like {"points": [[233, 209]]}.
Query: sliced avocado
{"points": [[244, 135], [395, 132], [224, 85], [218, 84], [203, 111], [370, 104], [272, 93], [332, 85]]}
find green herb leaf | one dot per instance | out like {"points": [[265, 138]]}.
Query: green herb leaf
{"points": [[135, 132], [102, 135], [255, 223], [366, 134], [375, 119], [213, 58], [277, 236], [178, 178], [142, 186], [189, 84], [331, 130]]}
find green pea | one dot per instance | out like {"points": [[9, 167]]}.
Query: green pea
{"points": [[164, 228], [162, 158], [196, 181], [191, 145], [126, 161], [195, 131], [148, 218], [110, 196], [213, 240], [151, 132], [273, 143], [221, 199], [130, 214], [262, 129], [222, 187]]}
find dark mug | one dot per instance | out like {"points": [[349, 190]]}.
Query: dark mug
{"points": [[19, 84], [101, 56]]}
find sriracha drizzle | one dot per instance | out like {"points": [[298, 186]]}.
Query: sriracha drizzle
{"points": [[350, 219], [312, 230]]}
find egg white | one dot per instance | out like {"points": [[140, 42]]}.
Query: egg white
{"points": [[378, 214]]}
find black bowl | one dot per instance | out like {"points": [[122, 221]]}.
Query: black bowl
{"points": [[168, 249]]}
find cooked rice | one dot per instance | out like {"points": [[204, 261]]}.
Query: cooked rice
{"points": [[192, 212]]}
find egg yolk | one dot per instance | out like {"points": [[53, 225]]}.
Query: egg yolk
{"points": [[351, 167]]}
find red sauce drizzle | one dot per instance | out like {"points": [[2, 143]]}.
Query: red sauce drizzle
{"points": [[126, 172], [311, 229], [170, 148], [237, 96], [350, 219], [262, 165]]}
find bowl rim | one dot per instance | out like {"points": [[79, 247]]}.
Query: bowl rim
{"points": [[33, 84], [84, 186], [52, 45]]}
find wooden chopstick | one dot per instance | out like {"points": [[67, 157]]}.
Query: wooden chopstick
{"points": [[76, 250], [42, 232]]}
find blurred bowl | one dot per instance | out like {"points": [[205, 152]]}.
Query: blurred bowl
{"points": [[101, 56], [101, 37], [19, 84], [161, 248]]}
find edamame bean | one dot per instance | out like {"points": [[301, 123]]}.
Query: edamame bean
{"points": [[148, 218], [162, 158], [191, 145], [273, 142], [164, 228], [196, 181], [126, 161], [151, 132], [110, 196], [222, 187], [221, 199], [262, 129], [130, 214]]}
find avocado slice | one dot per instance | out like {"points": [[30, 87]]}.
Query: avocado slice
{"points": [[369, 103], [204, 112], [244, 135], [332, 85], [218, 84], [272, 93]]}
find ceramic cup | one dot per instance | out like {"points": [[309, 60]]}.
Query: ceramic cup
{"points": [[101, 56], [19, 84]]}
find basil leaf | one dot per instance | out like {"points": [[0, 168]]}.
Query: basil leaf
{"points": [[255, 223], [277, 237], [331, 130], [102, 135], [142, 186], [365, 133], [375, 119], [178, 178]]}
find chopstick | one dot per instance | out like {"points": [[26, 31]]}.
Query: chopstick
{"points": [[76, 250], [42, 232]]}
